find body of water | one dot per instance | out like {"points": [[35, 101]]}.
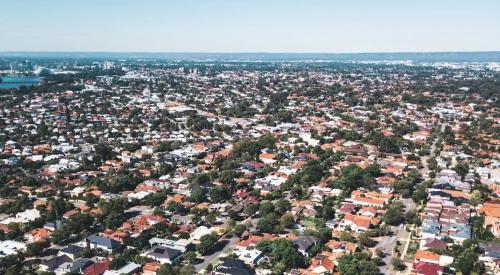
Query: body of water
{"points": [[9, 82]]}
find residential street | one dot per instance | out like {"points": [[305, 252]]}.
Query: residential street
{"points": [[387, 244], [210, 258]]}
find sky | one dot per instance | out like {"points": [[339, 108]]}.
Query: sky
{"points": [[326, 26]]}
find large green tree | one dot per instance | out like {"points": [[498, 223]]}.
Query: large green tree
{"points": [[282, 254], [206, 244], [357, 263]]}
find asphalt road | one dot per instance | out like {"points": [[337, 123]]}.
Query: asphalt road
{"points": [[207, 259], [425, 170], [386, 244]]}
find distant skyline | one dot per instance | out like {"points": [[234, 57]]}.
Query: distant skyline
{"points": [[298, 26]]}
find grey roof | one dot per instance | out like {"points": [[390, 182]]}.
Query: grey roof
{"points": [[492, 250], [79, 264], [233, 266], [164, 252], [129, 268], [72, 249], [101, 241], [55, 262], [305, 242]]}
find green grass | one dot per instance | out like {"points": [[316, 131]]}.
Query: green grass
{"points": [[308, 223], [412, 248]]}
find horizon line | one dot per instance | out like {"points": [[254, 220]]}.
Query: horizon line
{"points": [[253, 52]]}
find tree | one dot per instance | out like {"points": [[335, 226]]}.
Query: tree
{"points": [[476, 198], [357, 263], [199, 179], [165, 269], [403, 187], [227, 177], [206, 244], [42, 130], [468, 262], [389, 145], [239, 229], [365, 240], [412, 217], [118, 262], [287, 221], [394, 214], [189, 256], [283, 206], [187, 270], [266, 207], [114, 220], [220, 193], [211, 217], [36, 248], [197, 193], [462, 169], [183, 235], [398, 264], [282, 253], [251, 209], [310, 174], [345, 236], [353, 177], [268, 224], [479, 232], [209, 268], [421, 194], [156, 199], [105, 152]]}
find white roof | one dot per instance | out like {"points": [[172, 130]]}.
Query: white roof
{"points": [[200, 232]]}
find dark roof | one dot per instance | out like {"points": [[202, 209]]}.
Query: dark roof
{"points": [[444, 186], [440, 194], [72, 249], [492, 250], [164, 252], [79, 264], [305, 242], [55, 262], [233, 266], [108, 243]]}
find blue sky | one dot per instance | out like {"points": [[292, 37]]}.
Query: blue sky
{"points": [[250, 25]]}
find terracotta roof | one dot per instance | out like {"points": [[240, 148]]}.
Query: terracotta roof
{"points": [[254, 239], [267, 156], [97, 268], [368, 200], [491, 209], [426, 255], [40, 233], [151, 267], [427, 268]]}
